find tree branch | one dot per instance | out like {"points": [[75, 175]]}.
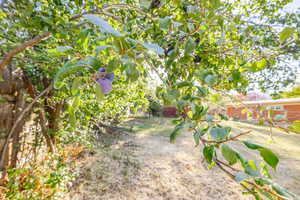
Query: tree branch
{"points": [[267, 190], [219, 164], [8, 57], [227, 140], [233, 177]]}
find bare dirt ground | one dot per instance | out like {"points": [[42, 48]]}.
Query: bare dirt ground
{"points": [[144, 165]]}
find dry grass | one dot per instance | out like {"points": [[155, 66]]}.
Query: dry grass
{"points": [[144, 166], [286, 145]]}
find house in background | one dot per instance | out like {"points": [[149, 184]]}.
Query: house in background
{"points": [[287, 110]]}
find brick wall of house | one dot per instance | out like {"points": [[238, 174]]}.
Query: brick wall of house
{"points": [[169, 111], [291, 112], [236, 112]]}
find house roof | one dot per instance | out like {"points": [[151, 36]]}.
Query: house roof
{"points": [[270, 102]]}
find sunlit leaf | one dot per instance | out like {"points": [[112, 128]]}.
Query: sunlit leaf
{"points": [[286, 33], [154, 48], [220, 133], [176, 132], [269, 157], [104, 26], [99, 93], [229, 154], [208, 152], [241, 176]]}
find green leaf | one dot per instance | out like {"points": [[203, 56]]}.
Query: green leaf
{"points": [[223, 116], [153, 47], [220, 133], [261, 64], [176, 132], [89, 60], [101, 48], [252, 146], [131, 72], [250, 168], [2, 100], [63, 48], [165, 23], [266, 194], [208, 152], [286, 33], [58, 84], [229, 154], [279, 189], [202, 91], [180, 104], [236, 75], [67, 69], [211, 80], [76, 103], [75, 86], [241, 176], [98, 21], [189, 47], [113, 65], [99, 93], [184, 84], [197, 111], [269, 157], [264, 170], [196, 137]]}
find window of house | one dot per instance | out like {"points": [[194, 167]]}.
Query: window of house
{"points": [[278, 107], [275, 107]]}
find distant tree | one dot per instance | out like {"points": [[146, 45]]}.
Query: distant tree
{"points": [[253, 96], [295, 92]]}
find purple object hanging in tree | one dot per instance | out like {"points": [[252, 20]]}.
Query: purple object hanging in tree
{"points": [[106, 82]]}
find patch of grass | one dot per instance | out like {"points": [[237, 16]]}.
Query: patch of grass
{"points": [[141, 127]]}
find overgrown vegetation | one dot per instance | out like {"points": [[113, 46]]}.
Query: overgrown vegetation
{"points": [[198, 50]]}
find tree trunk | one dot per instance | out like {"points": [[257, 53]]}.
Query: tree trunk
{"points": [[10, 106]]}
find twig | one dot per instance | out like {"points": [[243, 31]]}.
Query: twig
{"points": [[233, 177], [221, 162], [267, 190], [19, 119], [191, 33], [227, 140]]}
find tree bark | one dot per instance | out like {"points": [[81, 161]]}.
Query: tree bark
{"points": [[9, 109]]}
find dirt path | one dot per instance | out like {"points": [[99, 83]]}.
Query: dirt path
{"points": [[146, 166]]}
